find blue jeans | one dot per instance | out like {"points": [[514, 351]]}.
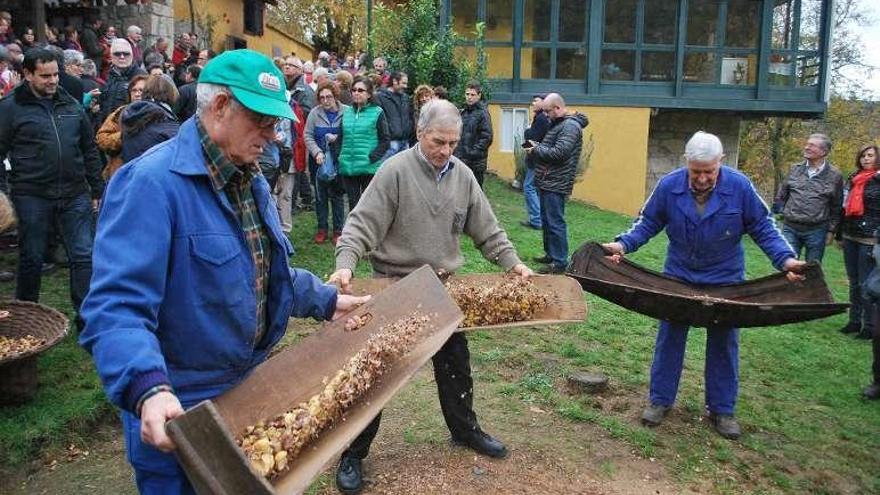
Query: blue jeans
{"points": [[721, 372], [533, 203], [813, 241], [859, 263], [329, 194], [36, 218], [554, 227], [155, 472]]}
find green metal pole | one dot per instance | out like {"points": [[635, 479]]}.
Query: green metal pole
{"points": [[369, 29]]}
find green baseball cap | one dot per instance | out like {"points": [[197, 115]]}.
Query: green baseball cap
{"points": [[253, 79]]}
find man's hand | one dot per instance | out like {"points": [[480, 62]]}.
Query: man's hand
{"points": [[96, 205], [522, 270], [793, 269], [346, 303], [319, 158], [342, 279], [155, 412], [616, 249]]}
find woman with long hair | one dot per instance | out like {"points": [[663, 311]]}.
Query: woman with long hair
{"points": [[151, 120], [109, 136], [363, 140], [861, 218], [321, 131]]}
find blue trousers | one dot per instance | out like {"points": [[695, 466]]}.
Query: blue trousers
{"points": [[36, 220], [812, 241], [858, 262], [555, 229], [721, 371], [533, 202], [155, 472]]}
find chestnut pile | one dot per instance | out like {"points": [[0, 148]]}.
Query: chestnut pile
{"points": [[10, 346], [505, 301], [271, 445]]}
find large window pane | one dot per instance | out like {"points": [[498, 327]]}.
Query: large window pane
{"points": [[699, 67], [536, 21], [658, 66], [499, 20], [702, 22], [464, 17], [573, 19], [661, 17], [780, 70], [743, 23], [783, 24], [535, 63], [499, 62], [808, 69], [618, 65], [620, 21], [571, 63], [811, 22], [735, 70]]}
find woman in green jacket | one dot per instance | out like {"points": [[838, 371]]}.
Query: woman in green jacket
{"points": [[364, 140]]}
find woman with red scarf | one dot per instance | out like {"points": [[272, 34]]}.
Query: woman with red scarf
{"points": [[861, 209]]}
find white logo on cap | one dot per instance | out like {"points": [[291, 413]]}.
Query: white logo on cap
{"points": [[270, 82]]}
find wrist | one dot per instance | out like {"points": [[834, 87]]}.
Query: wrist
{"points": [[151, 392]]}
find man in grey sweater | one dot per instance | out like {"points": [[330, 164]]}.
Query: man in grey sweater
{"points": [[413, 213], [811, 198]]}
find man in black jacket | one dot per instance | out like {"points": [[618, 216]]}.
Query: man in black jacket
{"points": [[398, 111], [115, 93], [476, 132], [556, 161], [185, 106], [55, 174]]}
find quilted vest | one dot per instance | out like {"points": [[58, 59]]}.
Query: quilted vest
{"points": [[359, 139]]}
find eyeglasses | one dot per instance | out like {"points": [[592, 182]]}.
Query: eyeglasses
{"points": [[358, 90], [121, 54], [325, 97], [262, 121]]}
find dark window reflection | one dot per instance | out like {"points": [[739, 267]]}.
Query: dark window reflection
{"points": [[743, 23], [620, 21], [464, 17], [536, 22], [699, 67], [618, 65], [658, 66], [540, 63], [661, 17], [702, 22], [499, 20], [571, 63], [573, 20]]}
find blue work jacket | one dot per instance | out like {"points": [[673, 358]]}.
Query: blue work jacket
{"points": [[707, 248], [172, 291]]}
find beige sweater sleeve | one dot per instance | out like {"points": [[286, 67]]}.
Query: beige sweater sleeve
{"points": [[482, 226]]}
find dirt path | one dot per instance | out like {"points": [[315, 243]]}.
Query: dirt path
{"points": [[412, 454]]}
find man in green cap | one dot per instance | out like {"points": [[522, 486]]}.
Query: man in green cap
{"points": [[191, 287]]}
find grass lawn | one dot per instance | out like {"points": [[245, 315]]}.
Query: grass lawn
{"points": [[806, 427]]}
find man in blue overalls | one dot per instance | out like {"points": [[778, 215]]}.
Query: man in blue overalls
{"points": [[705, 208]]}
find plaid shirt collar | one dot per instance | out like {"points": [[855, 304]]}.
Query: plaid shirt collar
{"points": [[221, 169]]}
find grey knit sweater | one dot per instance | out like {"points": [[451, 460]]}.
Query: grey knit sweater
{"points": [[406, 219]]}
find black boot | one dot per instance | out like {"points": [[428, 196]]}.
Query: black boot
{"points": [[350, 475], [851, 328], [482, 443], [865, 334]]}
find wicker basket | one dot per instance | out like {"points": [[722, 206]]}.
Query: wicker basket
{"points": [[18, 373]]}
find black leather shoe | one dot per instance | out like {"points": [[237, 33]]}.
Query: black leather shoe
{"points": [[851, 328], [483, 443], [350, 475], [542, 259], [551, 269], [872, 391]]}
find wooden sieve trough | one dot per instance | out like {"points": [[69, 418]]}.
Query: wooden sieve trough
{"points": [[205, 435]]}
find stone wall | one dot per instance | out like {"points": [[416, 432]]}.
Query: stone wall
{"points": [[669, 130], [156, 19]]}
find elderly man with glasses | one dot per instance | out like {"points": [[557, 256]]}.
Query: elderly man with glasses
{"points": [[122, 69], [189, 249]]}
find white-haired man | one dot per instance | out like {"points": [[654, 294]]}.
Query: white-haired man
{"points": [[191, 287], [134, 37], [706, 208], [122, 69], [413, 213]]}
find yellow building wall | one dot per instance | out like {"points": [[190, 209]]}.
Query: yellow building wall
{"points": [[229, 16], [618, 166]]}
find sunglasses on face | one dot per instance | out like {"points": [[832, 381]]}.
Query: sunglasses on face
{"points": [[121, 54]]}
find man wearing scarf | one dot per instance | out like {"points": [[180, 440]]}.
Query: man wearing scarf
{"points": [[810, 200]]}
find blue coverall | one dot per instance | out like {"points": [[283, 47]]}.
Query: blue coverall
{"points": [[172, 298], [704, 249]]}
